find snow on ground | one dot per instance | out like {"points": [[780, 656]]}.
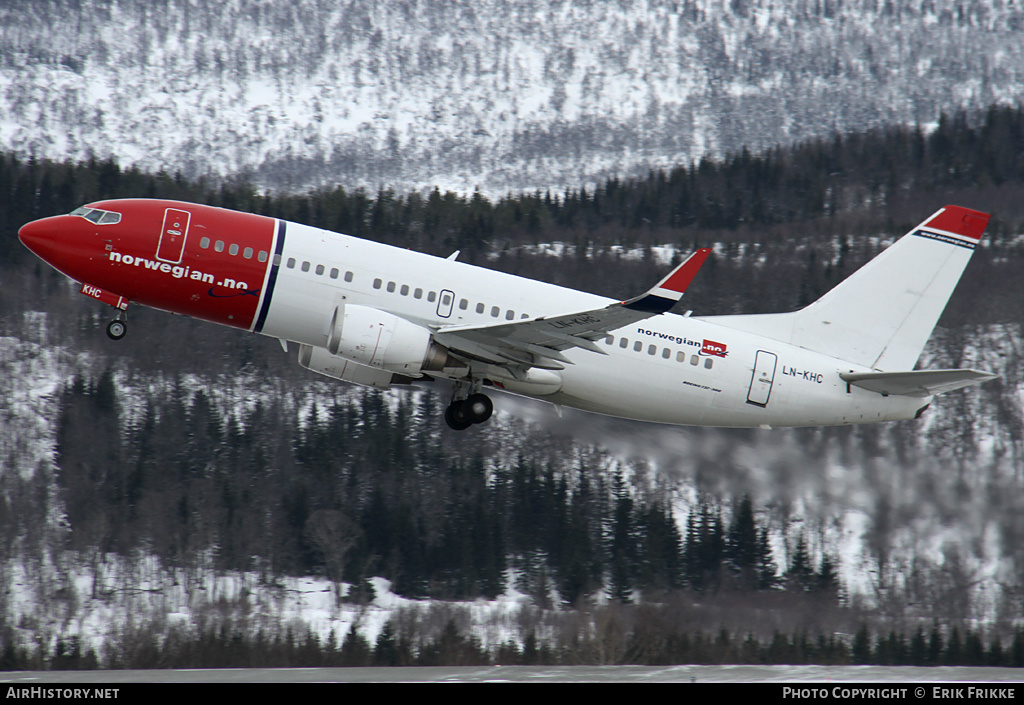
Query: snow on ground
{"points": [[97, 598], [45, 595]]}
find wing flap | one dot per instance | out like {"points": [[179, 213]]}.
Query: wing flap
{"points": [[917, 383], [540, 340]]}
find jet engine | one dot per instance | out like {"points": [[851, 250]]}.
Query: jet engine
{"points": [[320, 360], [382, 340]]}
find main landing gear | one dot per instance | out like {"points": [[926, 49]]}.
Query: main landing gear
{"points": [[118, 327], [467, 409]]}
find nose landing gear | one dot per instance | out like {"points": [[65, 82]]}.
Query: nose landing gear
{"points": [[471, 409], [118, 327]]}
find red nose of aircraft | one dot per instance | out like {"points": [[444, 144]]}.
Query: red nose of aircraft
{"points": [[39, 236]]}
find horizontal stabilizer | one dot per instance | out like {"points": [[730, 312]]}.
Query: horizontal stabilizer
{"points": [[919, 383]]}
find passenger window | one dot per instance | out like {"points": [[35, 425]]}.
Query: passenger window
{"points": [[205, 243], [305, 266], [638, 346], [348, 276], [277, 260], [334, 272], [609, 340], [709, 362], [233, 250], [652, 349], [480, 308], [463, 304], [694, 360], [494, 311], [446, 300], [320, 270], [404, 290], [218, 246], [432, 296], [681, 356], [377, 283], [624, 343], [418, 294], [291, 263], [666, 353], [247, 253], [262, 256], [391, 287], [509, 315]]}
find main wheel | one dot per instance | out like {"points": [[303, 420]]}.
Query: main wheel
{"points": [[478, 408], [456, 417], [117, 329]]}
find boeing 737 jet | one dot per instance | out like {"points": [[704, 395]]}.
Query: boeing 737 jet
{"points": [[380, 316]]}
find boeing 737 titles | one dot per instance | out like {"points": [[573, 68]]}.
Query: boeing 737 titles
{"points": [[379, 316]]}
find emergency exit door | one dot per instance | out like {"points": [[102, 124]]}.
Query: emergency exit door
{"points": [[445, 302], [762, 379]]}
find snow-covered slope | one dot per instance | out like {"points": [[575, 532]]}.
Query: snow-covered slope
{"points": [[930, 510], [481, 93]]}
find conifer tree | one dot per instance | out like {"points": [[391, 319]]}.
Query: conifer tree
{"points": [[767, 571], [621, 543], [800, 576], [860, 651], [355, 651], [742, 546]]}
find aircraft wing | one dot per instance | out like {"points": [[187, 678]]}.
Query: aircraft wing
{"points": [[918, 383], [538, 342]]}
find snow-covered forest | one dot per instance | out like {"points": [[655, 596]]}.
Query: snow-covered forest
{"points": [[187, 454], [467, 94], [190, 496]]}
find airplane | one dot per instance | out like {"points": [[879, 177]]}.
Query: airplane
{"points": [[381, 316]]}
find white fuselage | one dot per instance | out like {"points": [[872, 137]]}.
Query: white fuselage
{"points": [[669, 368]]}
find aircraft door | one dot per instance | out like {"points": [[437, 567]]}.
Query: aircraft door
{"points": [[761, 380], [445, 302], [172, 235]]}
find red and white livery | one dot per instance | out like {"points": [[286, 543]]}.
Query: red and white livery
{"points": [[379, 316]]}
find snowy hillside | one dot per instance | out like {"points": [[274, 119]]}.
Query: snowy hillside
{"points": [[500, 96]]}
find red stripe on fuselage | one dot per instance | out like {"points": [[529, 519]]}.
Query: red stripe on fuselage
{"points": [[215, 286]]}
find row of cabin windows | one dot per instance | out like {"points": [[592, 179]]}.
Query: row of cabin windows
{"points": [[417, 293], [319, 269], [510, 315], [233, 249], [666, 353], [404, 289]]}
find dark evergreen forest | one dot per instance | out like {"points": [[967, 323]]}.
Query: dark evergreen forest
{"points": [[792, 221], [368, 486]]}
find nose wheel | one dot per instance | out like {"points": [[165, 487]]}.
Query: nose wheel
{"points": [[474, 409], [117, 329]]}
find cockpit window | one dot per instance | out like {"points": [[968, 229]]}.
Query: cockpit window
{"points": [[95, 215]]}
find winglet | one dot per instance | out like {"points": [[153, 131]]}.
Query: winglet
{"points": [[956, 220], [669, 290]]}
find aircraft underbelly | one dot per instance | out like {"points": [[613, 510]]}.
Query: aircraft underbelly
{"points": [[753, 388]]}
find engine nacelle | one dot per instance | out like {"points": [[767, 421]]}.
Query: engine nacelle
{"points": [[378, 339], [320, 360]]}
